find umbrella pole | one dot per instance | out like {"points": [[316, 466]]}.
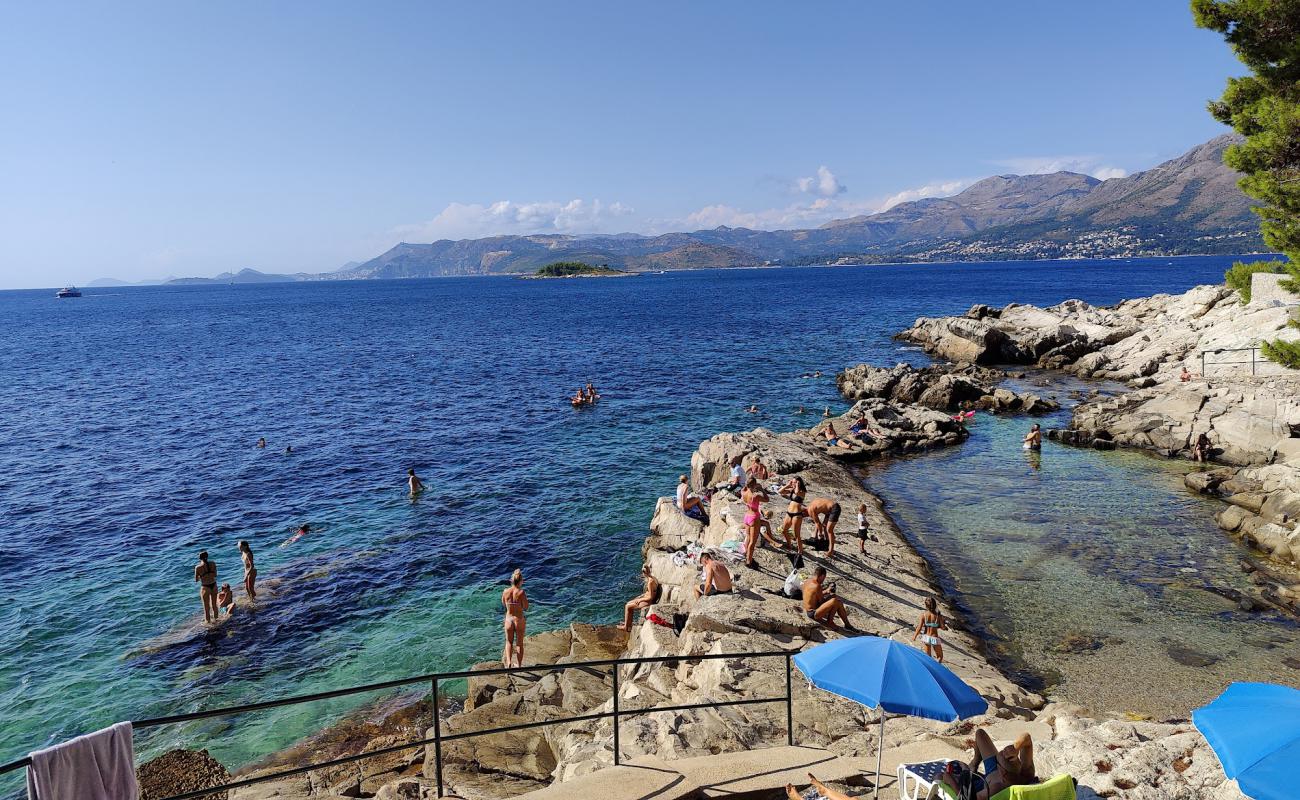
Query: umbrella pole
{"points": [[880, 753]]}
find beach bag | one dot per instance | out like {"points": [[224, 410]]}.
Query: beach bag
{"points": [[792, 585]]}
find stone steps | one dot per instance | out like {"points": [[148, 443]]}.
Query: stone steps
{"points": [[736, 776]]}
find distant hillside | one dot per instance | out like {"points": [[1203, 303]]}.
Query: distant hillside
{"points": [[243, 276], [1190, 204]]}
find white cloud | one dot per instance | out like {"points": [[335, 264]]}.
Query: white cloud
{"points": [[472, 220], [824, 183], [936, 189], [1087, 165]]}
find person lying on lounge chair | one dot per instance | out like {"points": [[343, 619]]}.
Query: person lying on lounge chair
{"points": [[1013, 765], [826, 792]]}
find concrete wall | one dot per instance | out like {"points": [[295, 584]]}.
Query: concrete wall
{"points": [[1265, 291]]}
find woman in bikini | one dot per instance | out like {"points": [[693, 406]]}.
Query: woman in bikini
{"points": [[928, 629], [205, 573], [753, 497], [250, 570], [795, 490], [646, 599], [516, 603]]}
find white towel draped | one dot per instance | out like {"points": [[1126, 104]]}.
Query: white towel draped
{"points": [[97, 766]]}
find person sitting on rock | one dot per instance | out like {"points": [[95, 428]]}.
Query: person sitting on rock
{"points": [[737, 479], [1185, 375], [644, 600], [862, 429], [226, 600], [1201, 449], [688, 503], [758, 470], [825, 513], [1013, 765], [716, 579], [820, 603], [824, 792]]}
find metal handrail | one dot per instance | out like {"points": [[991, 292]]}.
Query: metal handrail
{"points": [[1253, 362], [615, 664]]}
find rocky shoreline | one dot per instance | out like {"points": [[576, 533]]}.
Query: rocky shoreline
{"points": [[1249, 413], [1142, 342]]}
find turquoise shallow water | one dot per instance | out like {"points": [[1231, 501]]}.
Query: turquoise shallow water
{"points": [[130, 417], [1109, 547]]}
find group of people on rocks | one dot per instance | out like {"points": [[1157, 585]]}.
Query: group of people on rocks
{"points": [[215, 600], [585, 396]]}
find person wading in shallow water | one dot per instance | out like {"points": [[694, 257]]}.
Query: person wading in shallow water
{"points": [[516, 603], [1034, 439], [205, 574], [414, 483]]}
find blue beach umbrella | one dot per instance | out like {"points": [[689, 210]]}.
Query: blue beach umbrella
{"points": [[1254, 729], [897, 679]]}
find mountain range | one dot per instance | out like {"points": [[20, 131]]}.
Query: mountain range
{"points": [[1188, 205]]}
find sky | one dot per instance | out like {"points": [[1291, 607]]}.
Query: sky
{"points": [[149, 139]]}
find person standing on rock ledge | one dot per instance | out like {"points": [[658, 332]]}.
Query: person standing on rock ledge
{"points": [[794, 490], [516, 603], [753, 497]]}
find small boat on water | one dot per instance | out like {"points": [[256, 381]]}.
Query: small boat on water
{"points": [[68, 291]]}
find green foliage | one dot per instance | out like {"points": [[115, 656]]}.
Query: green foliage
{"points": [[1265, 107], [561, 269], [1238, 277]]}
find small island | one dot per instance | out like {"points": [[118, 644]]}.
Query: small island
{"points": [[578, 269]]}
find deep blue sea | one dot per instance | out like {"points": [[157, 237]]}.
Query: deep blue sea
{"points": [[130, 416]]}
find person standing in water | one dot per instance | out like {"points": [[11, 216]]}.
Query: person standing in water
{"points": [[928, 629], [250, 570], [516, 603], [205, 574], [1034, 439], [414, 483]]}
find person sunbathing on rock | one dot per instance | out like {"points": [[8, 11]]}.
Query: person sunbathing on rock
{"points": [[644, 600], [824, 792], [689, 504], [821, 604], [1013, 765], [759, 470], [1184, 376], [716, 577], [833, 439], [862, 429]]}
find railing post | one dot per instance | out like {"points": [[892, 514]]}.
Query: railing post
{"points": [[617, 757], [437, 738], [1252, 360], [789, 705], [1204, 374]]}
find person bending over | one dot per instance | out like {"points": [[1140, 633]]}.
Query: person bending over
{"points": [[820, 603], [715, 579], [1013, 765], [825, 513], [646, 599]]}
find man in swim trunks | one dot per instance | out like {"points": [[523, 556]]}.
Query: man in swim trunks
{"points": [[1034, 439], [833, 439], [825, 513], [1013, 765], [205, 574], [716, 579], [414, 483], [821, 604]]}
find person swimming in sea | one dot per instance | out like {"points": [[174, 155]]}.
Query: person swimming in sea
{"points": [[827, 413], [226, 600], [298, 534], [590, 392], [250, 570], [288, 450], [516, 603], [261, 443], [205, 574], [753, 409], [1034, 439], [928, 629], [413, 482]]}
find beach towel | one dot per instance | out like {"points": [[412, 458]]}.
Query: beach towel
{"points": [[97, 766]]}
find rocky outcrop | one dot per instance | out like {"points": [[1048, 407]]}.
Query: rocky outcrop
{"points": [[939, 386], [1249, 412], [180, 771]]}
